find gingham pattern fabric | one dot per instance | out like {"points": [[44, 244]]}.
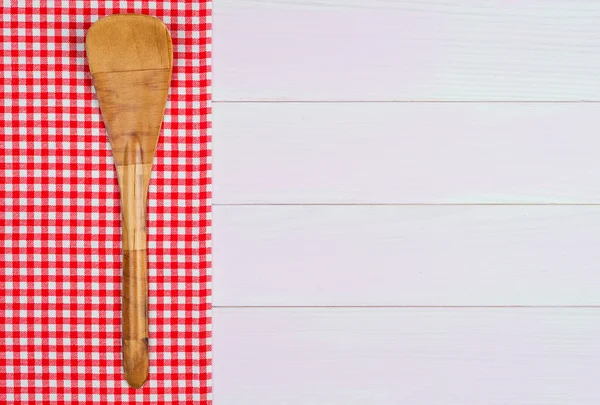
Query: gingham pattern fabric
{"points": [[60, 260]]}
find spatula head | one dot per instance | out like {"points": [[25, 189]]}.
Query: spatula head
{"points": [[131, 57]]}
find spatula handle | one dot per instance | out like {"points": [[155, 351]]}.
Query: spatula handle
{"points": [[135, 317], [134, 179]]}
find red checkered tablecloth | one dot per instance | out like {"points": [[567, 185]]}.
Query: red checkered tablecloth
{"points": [[60, 260]]}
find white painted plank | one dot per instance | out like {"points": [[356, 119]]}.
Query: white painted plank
{"points": [[406, 255], [406, 153], [406, 50], [406, 356]]}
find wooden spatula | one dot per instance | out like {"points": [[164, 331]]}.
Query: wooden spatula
{"points": [[131, 58]]}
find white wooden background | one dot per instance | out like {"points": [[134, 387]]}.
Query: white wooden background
{"points": [[406, 202]]}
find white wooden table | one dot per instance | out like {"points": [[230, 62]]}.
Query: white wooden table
{"points": [[406, 202]]}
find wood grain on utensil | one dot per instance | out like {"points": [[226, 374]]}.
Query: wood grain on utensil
{"points": [[131, 58]]}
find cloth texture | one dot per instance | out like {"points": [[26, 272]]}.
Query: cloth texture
{"points": [[60, 220]]}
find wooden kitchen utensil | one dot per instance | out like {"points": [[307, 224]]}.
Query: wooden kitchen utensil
{"points": [[131, 58]]}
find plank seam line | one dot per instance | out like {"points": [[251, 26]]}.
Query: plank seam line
{"points": [[406, 306], [405, 101], [406, 204]]}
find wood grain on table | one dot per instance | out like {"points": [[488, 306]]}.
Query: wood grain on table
{"points": [[418, 356], [353, 50]]}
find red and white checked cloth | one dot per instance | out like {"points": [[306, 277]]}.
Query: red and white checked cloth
{"points": [[60, 259]]}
